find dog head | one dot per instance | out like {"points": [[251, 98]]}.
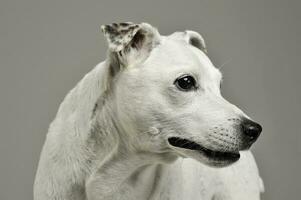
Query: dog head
{"points": [[167, 97]]}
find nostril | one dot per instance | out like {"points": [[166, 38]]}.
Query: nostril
{"points": [[251, 129]]}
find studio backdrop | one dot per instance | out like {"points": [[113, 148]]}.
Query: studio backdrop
{"points": [[46, 47]]}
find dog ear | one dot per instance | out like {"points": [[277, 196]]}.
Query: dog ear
{"points": [[129, 44], [196, 40]]}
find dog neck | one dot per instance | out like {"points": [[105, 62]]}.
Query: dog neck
{"points": [[122, 164]]}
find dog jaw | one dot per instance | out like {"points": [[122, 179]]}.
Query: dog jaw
{"points": [[188, 148]]}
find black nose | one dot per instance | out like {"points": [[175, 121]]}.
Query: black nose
{"points": [[251, 129]]}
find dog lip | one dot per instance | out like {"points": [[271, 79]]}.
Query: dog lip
{"points": [[216, 155]]}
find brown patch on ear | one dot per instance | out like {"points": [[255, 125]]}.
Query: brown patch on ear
{"points": [[129, 45], [119, 35]]}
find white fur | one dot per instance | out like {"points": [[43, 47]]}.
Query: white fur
{"points": [[118, 149]]}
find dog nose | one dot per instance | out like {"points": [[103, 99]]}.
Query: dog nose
{"points": [[251, 129]]}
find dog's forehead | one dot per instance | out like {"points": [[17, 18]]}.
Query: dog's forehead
{"points": [[175, 51], [174, 54]]}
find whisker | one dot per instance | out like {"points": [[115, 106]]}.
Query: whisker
{"points": [[226, 62]]}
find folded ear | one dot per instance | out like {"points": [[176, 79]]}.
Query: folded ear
{"points": [[129, 43], [196, 40]]}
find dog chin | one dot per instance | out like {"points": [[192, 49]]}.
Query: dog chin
{"points": [[186, 148]]}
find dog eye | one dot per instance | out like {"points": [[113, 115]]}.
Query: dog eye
{"points": [[185, 83]]}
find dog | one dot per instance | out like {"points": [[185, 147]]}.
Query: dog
{"points": [[149, 123]]}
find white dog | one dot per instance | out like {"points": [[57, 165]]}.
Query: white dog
{"points": [[149, 123]]}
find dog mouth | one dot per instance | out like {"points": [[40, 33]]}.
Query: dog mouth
{"points": [[217, 156]]}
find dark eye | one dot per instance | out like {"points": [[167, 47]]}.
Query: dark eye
{"points": [[185, 83]]}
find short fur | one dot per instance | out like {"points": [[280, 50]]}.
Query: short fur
{"points": [[109, 137]]}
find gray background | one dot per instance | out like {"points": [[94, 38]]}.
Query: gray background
{"points": [[47, 46]]}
